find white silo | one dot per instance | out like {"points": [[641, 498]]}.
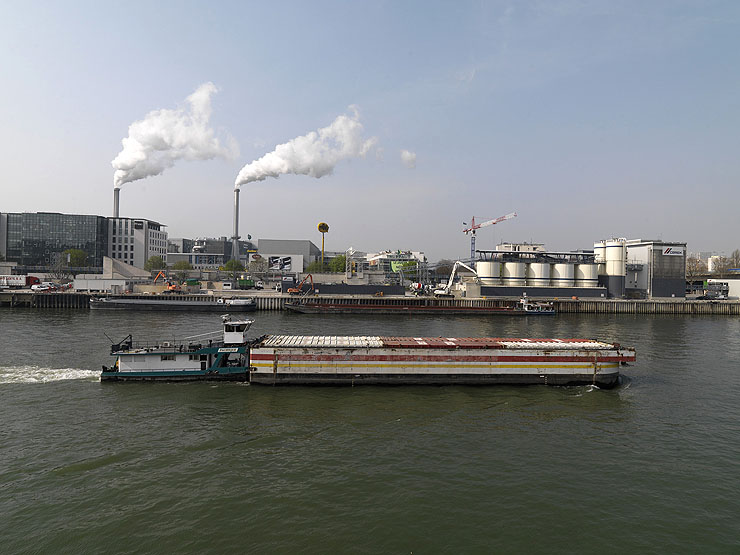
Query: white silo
{"points": [[562, 274], [538, 274], [600, 257], [616, 266], [616, 257], [514, 274], [489, 273], [587, 275]]}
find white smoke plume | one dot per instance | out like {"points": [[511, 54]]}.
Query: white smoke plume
{"points": [[408, 158], [315, 154], [165, 136]]}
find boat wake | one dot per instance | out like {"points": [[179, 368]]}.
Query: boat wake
{"points": [[35, 374]]}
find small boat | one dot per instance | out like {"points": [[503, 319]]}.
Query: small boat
{"points": [[196, 302], [355, 360], [535, 308]]}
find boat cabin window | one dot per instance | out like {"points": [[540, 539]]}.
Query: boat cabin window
{"points": [[235, 327], [167, 357]]}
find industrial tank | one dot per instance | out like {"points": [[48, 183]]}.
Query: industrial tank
{"points": [[600, 252], [616, 267], [587, 275], [489, 272], [562, 275], [514, 274], [538, 274], [616, 257]]}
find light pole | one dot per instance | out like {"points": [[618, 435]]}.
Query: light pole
{"points": [[323, 228]]}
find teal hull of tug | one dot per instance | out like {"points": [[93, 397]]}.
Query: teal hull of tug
{"points": [[222, 374]]}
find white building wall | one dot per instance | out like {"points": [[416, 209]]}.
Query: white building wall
{"points": [[134, 241]]}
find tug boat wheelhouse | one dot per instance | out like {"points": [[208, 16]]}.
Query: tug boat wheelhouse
{"points": [[193, 358], [355, 360]]}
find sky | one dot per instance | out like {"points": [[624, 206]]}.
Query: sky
{"points": [[590, 119]]}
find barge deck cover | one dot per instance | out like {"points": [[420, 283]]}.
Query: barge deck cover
{"points": [[354, 342]]}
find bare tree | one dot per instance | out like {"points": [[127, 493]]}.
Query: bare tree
{"points": [[59, 267], [257, 266], [695, 267], [721, 266], [735, 258]]}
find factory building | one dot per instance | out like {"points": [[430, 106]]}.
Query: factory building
{"points": [[655, 269], [35, 240], [134, 241], [206, 253], [616, 268], [516, 269], [287, 255]]}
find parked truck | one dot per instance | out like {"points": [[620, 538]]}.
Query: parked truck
{"points": [[18, 282]]}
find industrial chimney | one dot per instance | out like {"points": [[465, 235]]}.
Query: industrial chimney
{"points": [[235, 237], [116, 191]]}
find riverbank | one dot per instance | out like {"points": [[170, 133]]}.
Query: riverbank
{"points": [[276, 301]]}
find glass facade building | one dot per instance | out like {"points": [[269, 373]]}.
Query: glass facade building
{"points": [[36, 239]]}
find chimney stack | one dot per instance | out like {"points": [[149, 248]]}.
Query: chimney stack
{"points": [[235, 237], [116, 191]]}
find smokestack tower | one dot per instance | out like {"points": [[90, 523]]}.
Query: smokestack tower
{"points": [[116, 192], [235, 237]]}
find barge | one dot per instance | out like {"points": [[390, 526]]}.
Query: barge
{"points": [[200, 303], [355, 360], [413, 305]]}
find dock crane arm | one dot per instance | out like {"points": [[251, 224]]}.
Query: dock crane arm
{"points": [[446, 289]]}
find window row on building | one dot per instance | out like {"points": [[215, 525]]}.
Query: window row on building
{"points": [[39, 239]]}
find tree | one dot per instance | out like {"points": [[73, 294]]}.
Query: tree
{"points": [[735, 258], [720, 266], [695, 267], [257, 266], [338, 264], [75, 258], [58, 269], [154, 264], [233, 267], [315, 267], [181, 268]]}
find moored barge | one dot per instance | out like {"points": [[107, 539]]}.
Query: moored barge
{"points": [[355, 360], [196, 302], [418, 305]]}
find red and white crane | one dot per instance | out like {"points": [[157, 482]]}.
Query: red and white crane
{"points": [[475, 227]]}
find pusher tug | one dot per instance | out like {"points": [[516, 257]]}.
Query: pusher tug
{"points": [[355, 360]]}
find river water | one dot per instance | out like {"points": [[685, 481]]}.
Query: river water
{"points": [[650, 466]]}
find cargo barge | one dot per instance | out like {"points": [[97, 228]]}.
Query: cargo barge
{"points": [[412, 305], [200, 303], [356, 360]]}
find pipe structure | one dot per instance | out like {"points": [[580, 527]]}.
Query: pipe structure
{"points": [[235, 236], [116, 193]]}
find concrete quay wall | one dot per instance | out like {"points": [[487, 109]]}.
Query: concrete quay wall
{"points": [[277, 302]]}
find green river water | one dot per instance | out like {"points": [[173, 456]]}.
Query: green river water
{"points": [[652, 466]]}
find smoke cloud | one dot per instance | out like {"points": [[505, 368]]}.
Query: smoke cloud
{"points": [[165, 136], [315, 154], [408, 158]]}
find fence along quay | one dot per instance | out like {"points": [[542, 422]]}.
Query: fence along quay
{"points": [[277, 302]]}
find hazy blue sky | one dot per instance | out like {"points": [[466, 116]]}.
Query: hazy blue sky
{"points": [[590, 119]]}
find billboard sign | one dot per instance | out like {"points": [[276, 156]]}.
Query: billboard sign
{"points": [[279, 263], [673, 251]]}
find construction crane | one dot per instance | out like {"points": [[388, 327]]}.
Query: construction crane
{"points": [[475, 227]]}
